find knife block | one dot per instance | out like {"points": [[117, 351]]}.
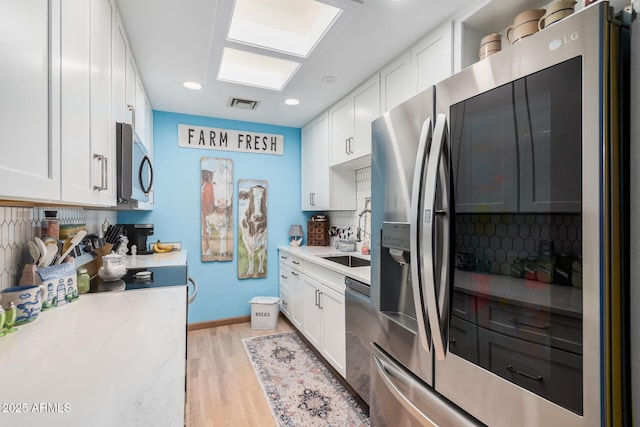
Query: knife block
{"points": [[317, 233]]}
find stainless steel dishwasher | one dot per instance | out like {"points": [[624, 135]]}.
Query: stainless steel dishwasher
{"points": [[360, 320]]}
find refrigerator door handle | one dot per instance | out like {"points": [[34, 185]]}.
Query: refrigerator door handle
{"points": [[384, 370], [414, 244], [434, 307], [419, 400]]}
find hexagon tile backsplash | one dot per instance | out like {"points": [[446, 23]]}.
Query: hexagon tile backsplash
{"points": [[18, 225], [504, 238]]}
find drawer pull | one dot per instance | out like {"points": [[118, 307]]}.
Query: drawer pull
{"points": [[524, 374], [531, 325], [295, 262], [283, 276], [283, 257], [294, 273]]}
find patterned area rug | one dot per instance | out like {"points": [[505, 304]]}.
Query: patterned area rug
{"points": [[298, 386]]}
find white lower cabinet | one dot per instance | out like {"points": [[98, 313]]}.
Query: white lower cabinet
{"points": [[291, 288], [334, 349], [314, 308], [324, 321], [295, 294]]}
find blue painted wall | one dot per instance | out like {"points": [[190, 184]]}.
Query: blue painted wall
{"points": [[176, 212]]}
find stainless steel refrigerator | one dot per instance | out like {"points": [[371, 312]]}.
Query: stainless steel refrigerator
{"points": [[500, 249]]}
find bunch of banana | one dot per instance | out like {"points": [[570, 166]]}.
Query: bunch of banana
{"points": [[161, 248]]}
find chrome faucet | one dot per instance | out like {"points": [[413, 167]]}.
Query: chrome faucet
{"points": [[360, 229]]}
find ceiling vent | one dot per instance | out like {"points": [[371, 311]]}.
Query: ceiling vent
{"points": [[244, 104]]}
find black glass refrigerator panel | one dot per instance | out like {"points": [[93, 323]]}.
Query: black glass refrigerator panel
{"points": [[517, 176]]}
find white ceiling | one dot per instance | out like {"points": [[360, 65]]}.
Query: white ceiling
{"points": [[182, 40]]}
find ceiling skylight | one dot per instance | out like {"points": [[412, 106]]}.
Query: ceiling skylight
{"points": [[290, 26], [255, 70]]}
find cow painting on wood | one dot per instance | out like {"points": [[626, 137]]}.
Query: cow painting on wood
{"points": [[217, 209], [252, 229]]}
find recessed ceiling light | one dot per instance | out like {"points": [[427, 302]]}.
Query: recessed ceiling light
{"points": [[255, 70], [292, 101], [329, 79], [294, 27], [192, 85]]}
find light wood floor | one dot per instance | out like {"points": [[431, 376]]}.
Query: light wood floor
{"points": [[222, 388]]}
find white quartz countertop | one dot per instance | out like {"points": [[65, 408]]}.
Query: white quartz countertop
{"points": [[107, 359], [315, 254], [564, 300], [155, 260]]}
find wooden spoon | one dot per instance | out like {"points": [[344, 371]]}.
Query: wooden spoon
{"points": [[50, 254], [34, 251], [74, 242], [41, 247]]}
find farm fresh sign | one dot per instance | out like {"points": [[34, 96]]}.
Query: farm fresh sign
{"points": [[230, 140]]}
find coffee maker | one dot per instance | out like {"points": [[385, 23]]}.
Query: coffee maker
{"points": [[137, 235]]}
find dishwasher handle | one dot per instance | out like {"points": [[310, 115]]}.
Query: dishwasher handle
{"points": [[357, 286]]}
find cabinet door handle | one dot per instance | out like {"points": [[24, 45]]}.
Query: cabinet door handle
{"points": [[102, 160], [346, 146], [524, 374], [351, 145], [284, 303], [133, 115], [105, 173], [283, 276], [317, 303], [531, 325], [320, 300]]}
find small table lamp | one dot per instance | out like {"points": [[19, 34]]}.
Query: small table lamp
{"points": [[296, 234]]}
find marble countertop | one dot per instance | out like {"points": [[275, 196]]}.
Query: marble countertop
{"points": [[107, 359], [315, 254], [155, 260], [564, 300]]}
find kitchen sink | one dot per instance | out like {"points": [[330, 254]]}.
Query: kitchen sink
{"points": [[349, 261]]}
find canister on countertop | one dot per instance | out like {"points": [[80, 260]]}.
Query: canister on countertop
{"points": [[546, 267], [50, 226], [84, 281], [576, 272], [517, 269], [531, 268], [563, 269]]}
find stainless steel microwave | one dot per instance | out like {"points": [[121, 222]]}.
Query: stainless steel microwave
{"points": [[135, 171]]}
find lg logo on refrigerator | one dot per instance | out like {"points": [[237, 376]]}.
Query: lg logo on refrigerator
{"points": [[556, 43]]}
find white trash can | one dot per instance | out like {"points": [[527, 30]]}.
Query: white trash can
{"points": [[264, 312]]}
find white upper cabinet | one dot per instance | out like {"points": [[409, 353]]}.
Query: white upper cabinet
{"points": [[397, 82], [29, 105], [314, 169], [102, 125], [433, 57], [130, 103], [75, 77], [350, 125], [119, 73], [64, 85], [323, 188], [423, 65], [88, 146]]}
